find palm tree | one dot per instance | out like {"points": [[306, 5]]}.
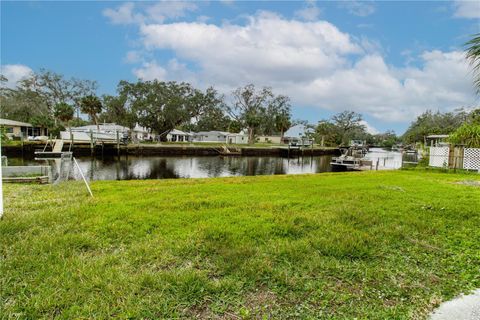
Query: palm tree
{"points": [[92, 106], [473, 56]]}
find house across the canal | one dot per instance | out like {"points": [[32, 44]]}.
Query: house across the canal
{"points": [[179, 136], [220, 137], [269, 139], [22, 130]]}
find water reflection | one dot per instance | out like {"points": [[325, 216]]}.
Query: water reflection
{"points": [[161, 167], [388, 159], [131, 167]]}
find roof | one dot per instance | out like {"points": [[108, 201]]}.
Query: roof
{"points": [[180, 132], [212, 132], [140, 129], [437, 136], [240, 134], [103, 127], [13, 123]]}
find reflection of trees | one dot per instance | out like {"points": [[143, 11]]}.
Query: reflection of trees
{"points": [[123, 168], [162, 169], [213, 166], [279, 167], [323, 163]]}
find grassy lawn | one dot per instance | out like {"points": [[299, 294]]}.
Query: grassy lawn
{"points": [[370, 245]]}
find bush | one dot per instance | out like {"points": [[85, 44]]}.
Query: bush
{"points": [[468, 135]]}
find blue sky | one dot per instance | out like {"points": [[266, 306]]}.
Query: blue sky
{"points": [[388, 60]]}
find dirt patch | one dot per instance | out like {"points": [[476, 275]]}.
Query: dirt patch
{"points": [[472, 183]]}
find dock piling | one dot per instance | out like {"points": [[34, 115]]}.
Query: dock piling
{"points": [[91, 142], [118, 143]]}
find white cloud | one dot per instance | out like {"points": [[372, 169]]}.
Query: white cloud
{"points": [[15, 73], [135, 13], [467, 9], [173, 70], [165, 10], [150, 71], [310, 12], [391, 94], [370, 129], [315, 63], [358, 8], [123, 14], [267, 48]]}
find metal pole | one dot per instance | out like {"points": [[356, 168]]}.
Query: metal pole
{"points": [[83, 177]]}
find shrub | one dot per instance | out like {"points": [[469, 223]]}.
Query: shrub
{"points": [[468, 135]]}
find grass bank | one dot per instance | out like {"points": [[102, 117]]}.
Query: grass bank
{"points": [[370, 245]]}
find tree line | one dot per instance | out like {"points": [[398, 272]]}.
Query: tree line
{"points": [[47, 99]]}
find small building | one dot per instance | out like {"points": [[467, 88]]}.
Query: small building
{"points": [[142, 134], [269, 139], [179, 136], [220, 137], [237, 138], [22, 130], [210, 136], [436, 140]]}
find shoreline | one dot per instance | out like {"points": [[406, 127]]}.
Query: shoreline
{"points": [[28, 150]]}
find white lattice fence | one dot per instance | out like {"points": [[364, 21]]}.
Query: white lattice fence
{"points": [[439, 156], [471, 159]]}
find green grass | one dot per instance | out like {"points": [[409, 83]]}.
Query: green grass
{"points": [[370, 245]]}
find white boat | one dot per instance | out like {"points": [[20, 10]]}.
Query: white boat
{"points": [[344, 163]]}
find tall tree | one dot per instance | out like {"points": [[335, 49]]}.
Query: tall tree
{"points": [[250, 108], [327, 133], [53, 88], [433, 123], [118, 111], [162, 106], [92, 106], [349, 125], [63, 112], [473, 56], [212, 118], [282, 114], [37, 96]]}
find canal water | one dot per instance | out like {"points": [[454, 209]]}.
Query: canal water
{"points": [[161, 167]]}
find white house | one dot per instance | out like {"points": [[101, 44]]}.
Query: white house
{"points": [[179, 136], [142, 133], [210, 136], [237, 138], [220, 137]]}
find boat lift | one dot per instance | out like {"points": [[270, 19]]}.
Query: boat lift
{"points": [[60, 156]]}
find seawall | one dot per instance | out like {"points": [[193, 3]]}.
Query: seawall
{"points": [[28, 150]]}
